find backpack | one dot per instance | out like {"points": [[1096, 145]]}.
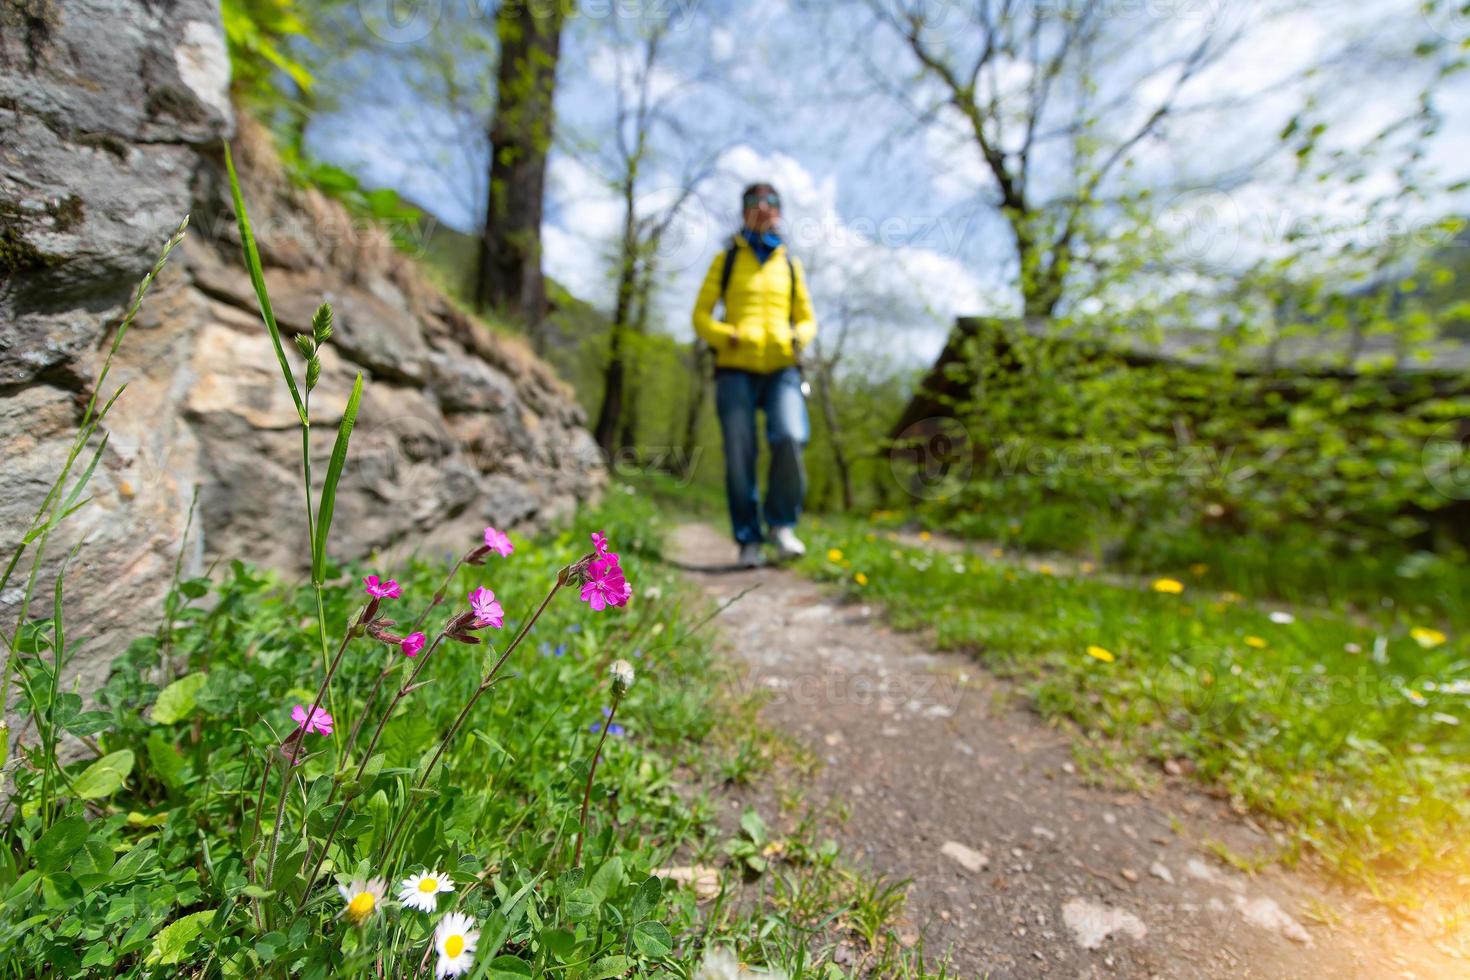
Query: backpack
{"points": [[709, 351], [730, 267]]}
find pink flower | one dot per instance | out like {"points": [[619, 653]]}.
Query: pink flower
{"points": [[498, 542], [604, 584], [382, 590], [320, 722], [412, 644], [599, 541], [487, 611]]}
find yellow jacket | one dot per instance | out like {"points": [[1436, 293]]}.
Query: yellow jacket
{"points": [[759, 325]]}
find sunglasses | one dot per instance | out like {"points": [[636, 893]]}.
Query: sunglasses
{"points": [[754, 200]]}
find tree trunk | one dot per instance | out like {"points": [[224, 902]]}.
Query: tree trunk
{"points": [[509, 269], [698, 386], [610, 417], [638, 329], [834, 431]]}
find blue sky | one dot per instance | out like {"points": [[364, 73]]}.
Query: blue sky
{"points": [[875, 206]]}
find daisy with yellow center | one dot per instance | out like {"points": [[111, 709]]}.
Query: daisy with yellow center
{"points": [[1426, 637], [362, 898], [1168, 585], [422, 891], [455, 940]]}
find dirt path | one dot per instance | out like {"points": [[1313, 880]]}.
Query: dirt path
{"points": [[1018, 868]]}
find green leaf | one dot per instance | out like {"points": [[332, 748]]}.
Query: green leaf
{"points": [[610, 966], [105, 776], [57, 845], [257, 279], [653, 939], [561, 943], [645, 900], [88, 723], [754, 826], [329, 487], [165, 761], [607, 879], [176, 702], [509, 968], [172, 941], [582, 903]]}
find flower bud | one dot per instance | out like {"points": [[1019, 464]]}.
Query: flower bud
{"points": [[321, 323], [622, 677]]}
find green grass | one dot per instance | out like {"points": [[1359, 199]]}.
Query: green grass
{"points": [[174, 837], [1343, 727]]}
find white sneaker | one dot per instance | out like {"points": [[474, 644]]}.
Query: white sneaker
{"points": [[751, 555], [788, 545]]}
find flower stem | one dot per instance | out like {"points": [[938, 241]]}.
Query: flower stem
{"points": [[591, 772], [489, 679], [438, 596]]}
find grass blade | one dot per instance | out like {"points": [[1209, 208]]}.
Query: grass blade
{"points": [[257, 279], [329, 487]]}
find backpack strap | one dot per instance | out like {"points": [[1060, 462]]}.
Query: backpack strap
{"points": [[725, 275], [730, 267], [791, 306]]}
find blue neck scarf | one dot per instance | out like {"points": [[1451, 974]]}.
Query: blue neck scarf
{"points": [[763, 243]]}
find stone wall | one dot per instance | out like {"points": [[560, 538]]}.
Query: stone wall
{"points": [[112, 114]]}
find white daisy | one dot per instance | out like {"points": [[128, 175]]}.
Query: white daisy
{"points": [[1282, 618], [455, 942], [362, 898], [422, 891]]}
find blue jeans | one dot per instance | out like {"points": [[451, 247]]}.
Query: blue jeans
{"points": [[737, 396]]}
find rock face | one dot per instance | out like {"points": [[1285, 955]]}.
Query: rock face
{"points": [[111, 117]]}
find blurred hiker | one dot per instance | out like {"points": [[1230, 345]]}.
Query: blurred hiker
{"points": [[757, 346]]}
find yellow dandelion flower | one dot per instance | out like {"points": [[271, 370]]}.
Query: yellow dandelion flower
{"points": [[925, 535], [1171, 586], [1099, 653], [1426, 637], [1256, 642], [834, 554], [860, 579]]}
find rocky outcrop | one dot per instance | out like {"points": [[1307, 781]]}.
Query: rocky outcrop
{"points": [[112, 114]]}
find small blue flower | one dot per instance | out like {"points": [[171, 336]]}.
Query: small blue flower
{"points": [[614, 729], [560, 651], [574, 628]]}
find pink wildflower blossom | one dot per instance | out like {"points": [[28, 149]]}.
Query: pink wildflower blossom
{"points": [[599, 541], [498, 542], [604, 584], [487, 611], [320, 722], [412, 644], [382, 590]]}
